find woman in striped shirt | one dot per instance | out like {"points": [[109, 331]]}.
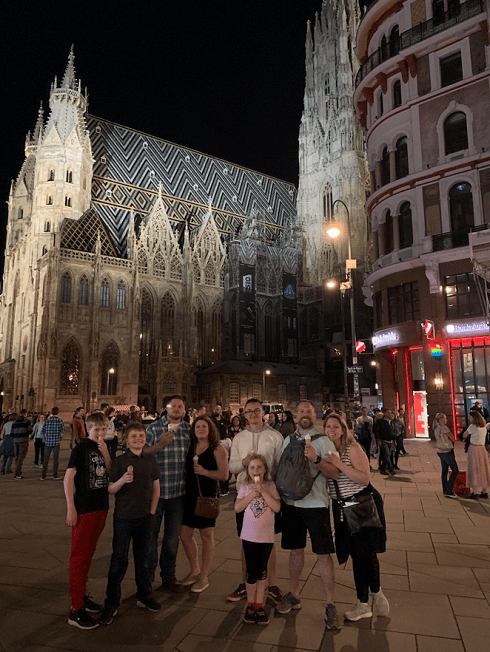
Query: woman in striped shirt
{"points": [[354, 479]]}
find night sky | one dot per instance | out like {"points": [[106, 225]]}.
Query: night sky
{"points": [[223, 77]]}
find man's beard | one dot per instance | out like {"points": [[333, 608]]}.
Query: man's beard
{"points": [[306, 423]]}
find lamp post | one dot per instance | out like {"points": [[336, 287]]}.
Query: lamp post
{"points": [[265, 373], [109, 374], [334, 231]]}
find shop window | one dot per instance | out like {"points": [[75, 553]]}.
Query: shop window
{"points": [[455, 133], [401, 157], [461, 208], [385, 167], [451, 69], [403, 303], [405, 226], [397, 94], [234, 392], [461, 296]]}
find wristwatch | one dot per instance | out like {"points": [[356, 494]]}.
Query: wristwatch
{"points": [[318, 459]]}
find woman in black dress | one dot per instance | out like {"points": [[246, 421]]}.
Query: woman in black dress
{"points": [[210, 467]]}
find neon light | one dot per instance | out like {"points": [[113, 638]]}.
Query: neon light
{"points": [[453, 409], [385, 338], [467, 328]]}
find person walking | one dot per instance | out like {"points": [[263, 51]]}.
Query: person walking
{"points": [[445, 450], [21, 429], [478, 473]]}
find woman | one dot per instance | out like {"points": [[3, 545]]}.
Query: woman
{"points": [[288, 426], [353, 479], [478, 473], [273, 422], [210, 467], [38, 441], [235, 427], [110, 437], [445, 450]]}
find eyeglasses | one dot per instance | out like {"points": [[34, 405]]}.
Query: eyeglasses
{"points": [[257, 411]]}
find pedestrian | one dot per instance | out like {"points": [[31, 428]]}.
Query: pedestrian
{"points": [[258, 500], [87, 503], [353, 482], [273, 421], [310, 515], [134, 480], [363, 430], [111, 438], [168, 439], [445, 450], [21, 429], [37, 435], [235, 427], [206, 465], [478, 473], [287, 426], [78, 425], [7, 448], [52, 432], [384, 437], [222, 428]]}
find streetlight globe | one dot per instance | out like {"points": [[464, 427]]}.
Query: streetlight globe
{"points": [[111, 370], [268, 372], [333, 231], [331, 284]]}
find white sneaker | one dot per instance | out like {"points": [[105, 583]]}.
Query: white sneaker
{"points": [[360, 610], [381, 604]]}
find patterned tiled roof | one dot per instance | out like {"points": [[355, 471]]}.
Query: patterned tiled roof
{"points": [[131, 166]]}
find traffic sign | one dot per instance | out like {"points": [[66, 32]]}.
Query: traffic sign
{"points": [[355, 369]]}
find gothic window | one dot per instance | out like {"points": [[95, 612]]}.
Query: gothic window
{"points": [[121, 296], [109, 368], [20, 214], [105, 294], [168, 323], [388, 233], [209, 275], [197, 274], [159, 264], [200, 333], [405, 225], [272, 283], [176, 269], [83, 290], [455, 133], [142, 262], [67, 201], [397, 94], [222, 278], [314, 324], [327, 203], [69, 176], [261, 285], [49, 200], [145, 334], [269, 346], [303, 328], [385, 166], [51, 175], [461, 208], [169, 384], [216, 331], [401, 157], [65, 288], [70, 369], [234, 392], [47, 227], [45, 250], [257, 391]]}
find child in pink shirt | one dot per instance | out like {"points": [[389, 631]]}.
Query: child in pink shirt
{"points": [[259, 500]]}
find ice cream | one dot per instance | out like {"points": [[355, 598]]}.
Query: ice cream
{"points": [[172, 426], [256, 479], [196, 459], [252, 453], [308, 439]]}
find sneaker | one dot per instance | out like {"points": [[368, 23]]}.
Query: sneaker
{"points": [[261, 618], [380, 604], [189, 580], [360, 610], [56, 477], [200, 586], [472, 496], [41, 478], [18, 477], [173, 586], [249, 615], [238, 594], [150, 604], [82, 620], [274, 593], [288, 602], [91, 607], [450, 496], [383, 472], [107, 616], [332, 620], [484, 494]]}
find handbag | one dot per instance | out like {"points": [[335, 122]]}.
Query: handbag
{"points": [[358, 511], [206, 506]]}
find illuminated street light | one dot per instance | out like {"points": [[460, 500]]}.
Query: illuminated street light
{"points": [[109, 374]]}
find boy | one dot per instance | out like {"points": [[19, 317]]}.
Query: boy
{"points": [[135, 481], [85, 483]]}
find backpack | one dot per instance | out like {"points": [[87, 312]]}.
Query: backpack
{"points": [[293, 479], [363, 431]]}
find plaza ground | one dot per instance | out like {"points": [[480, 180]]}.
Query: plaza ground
{"points": [[435, 573]]}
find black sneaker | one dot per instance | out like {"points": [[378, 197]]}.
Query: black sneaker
{"points": [[107, 616], [82, 620], [249, 615], [91, 607], [173, 586], [261, 618], [150, 604], [332, 620]]}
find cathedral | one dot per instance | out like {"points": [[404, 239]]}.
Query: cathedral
{"points": [[136, 268]]}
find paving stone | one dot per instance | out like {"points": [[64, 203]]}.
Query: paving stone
{"points": [[443, 580], [475, 633], [435, 644], [470, 607]]}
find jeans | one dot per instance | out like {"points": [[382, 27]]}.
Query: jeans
{"points": [[20, 452], [448, 461], [139, 531], [47, 455], [173, 511], [385, 455], [38, 450]]}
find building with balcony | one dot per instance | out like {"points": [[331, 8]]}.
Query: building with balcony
{"points": [[422, 95]]}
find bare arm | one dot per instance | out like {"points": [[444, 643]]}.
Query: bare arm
{"points": [[105, 454], [359, 471], [274, 503], [127, 477], [69, 487], [324, 465], [155, 496], [221, 457]]}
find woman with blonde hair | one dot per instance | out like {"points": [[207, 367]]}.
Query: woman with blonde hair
{"points": [[478, 472], [445, 450]]}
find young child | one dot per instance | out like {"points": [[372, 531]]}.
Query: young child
{"points": [[85, 483], [259, 499], [135, 481]]}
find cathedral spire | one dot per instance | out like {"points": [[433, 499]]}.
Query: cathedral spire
{"points": [[38, 129], [69, 80]]}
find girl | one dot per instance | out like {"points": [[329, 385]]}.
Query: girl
{"points": [[353, 466], [288, 426], [445, 450], [259, 499], [38, 442], [478, 474], [210, 467]]}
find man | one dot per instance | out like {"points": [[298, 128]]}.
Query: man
{"points": [[482, 410], [384, 436], [201, 410], [52, 432], [310, 515], [219, 422], [168, 439], [256, 437], [364, 431], [398, 427], [21, 429]]}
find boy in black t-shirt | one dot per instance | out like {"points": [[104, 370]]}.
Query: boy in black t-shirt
{"points": [[135, 481], [85, 483]]}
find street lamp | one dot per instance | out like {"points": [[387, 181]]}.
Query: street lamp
{"points": [[266, 372], [109, 374], [333, 231]]}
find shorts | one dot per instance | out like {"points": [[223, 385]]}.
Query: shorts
{"points": [[298, 521]]}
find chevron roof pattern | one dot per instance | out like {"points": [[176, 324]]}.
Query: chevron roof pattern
{"points": [[131, 166]]}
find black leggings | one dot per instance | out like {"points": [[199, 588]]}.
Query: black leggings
{"points": [[365, 566], [256, 559]]}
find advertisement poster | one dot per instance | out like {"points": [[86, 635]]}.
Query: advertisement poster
{"points": [[420, 414]]}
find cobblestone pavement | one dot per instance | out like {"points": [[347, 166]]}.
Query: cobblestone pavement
{"points": [[435, 573]]}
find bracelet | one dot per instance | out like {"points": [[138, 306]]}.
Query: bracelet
{"points": [[318, 460]]}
